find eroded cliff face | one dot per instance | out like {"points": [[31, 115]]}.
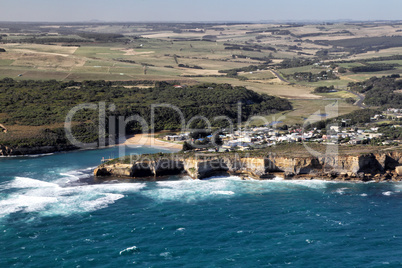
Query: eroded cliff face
{"points": [[346, 167], [206, 167], [119, 170], [141, 169]]}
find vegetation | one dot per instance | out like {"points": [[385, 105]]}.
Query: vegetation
{"points": [[137, 56], [296, 62], [380, 91], [251, 68], [188, 66], [378, 67], [248, 47], [350, 100], [324, 89], [83, 132], [364, 44], [41, 103], [102, 37], [310, 77], [352, 119], [390, 132], [393, 57]]}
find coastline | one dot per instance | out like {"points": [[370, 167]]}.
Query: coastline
{"points": [[385, 166], [146, 140]]}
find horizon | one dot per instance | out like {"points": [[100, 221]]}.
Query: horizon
{"points": [[199, 11], [206, 22]]}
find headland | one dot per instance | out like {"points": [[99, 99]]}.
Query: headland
{"points": [[347, 165]]}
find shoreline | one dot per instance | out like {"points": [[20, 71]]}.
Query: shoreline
{"points": [[149, 140], [145, 140]]}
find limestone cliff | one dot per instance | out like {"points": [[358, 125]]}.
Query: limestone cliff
{"points": [[380, 166]]}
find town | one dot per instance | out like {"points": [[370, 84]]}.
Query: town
{"points": [[341, 133]]}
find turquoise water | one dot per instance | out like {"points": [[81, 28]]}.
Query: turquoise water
{"points": [[54, 214]]}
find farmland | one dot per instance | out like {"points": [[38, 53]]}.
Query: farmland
{"points": [[246, 55]]}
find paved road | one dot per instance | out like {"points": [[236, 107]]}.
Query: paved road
{"points": [[360, 101], [279, 76]]}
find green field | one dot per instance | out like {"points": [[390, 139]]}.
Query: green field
{"points": [[309, 68], [154, 52], [338, 94], [339, 83], [308, 109]]}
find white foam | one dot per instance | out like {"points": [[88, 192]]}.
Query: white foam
{"points": [[189, 190], [90, 168], [100, 203], [166, 255], [24, 203], [89, 198], [364, 194], [75, 175], [315, 184], [115, 187], [223, 192], [49, 199], [23, 182], [71, 174], [129, 250], [387, 193], [59, 198], [23, 156], [341, 191], [38, 155], [397, 185]]}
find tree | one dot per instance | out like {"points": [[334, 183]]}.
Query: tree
{"points": [[341, 70], [217, 140], [199, 134], [324, 89], [187, 147]]}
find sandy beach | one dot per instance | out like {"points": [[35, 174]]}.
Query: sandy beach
{"points": [[150, 140]]}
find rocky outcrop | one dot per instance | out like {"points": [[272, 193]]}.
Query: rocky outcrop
{"points": [[141, 169], [119, 170], [381, 166]]}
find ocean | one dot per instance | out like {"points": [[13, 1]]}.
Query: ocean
{"points": [[53, 213]]}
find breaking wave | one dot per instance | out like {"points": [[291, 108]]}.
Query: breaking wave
{"points": [[49, 199], [188, 190], [67, 194], [129, 250]]}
